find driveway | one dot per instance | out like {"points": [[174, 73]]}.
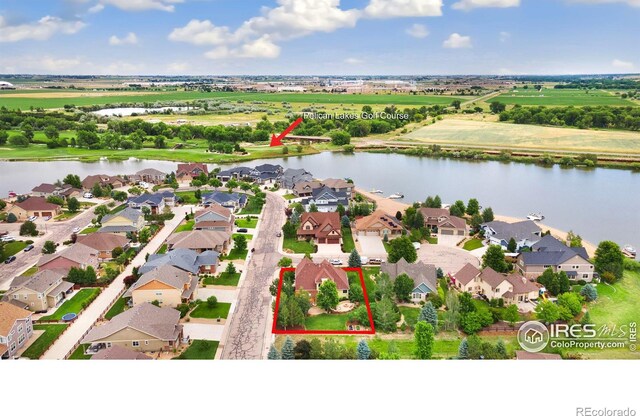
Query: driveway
{"points": [[450, 259], [329, 250], [449, 240], [372, 246], [210, 332], [224, 295]]}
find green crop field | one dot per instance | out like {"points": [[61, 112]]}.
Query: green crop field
{"points": [[561, 97]]}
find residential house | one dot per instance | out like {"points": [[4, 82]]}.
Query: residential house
{"points": [[156, 203], [305, 189], [233, 201], [512, 288], [103, 180], [77, 256], [291, 176], [116, 352], [168, 285], [184, 259], [340, 185], [104, 243], [268, 173], [238, 173], [379, 224], [129, 220], [44, 190], [151, 175], [68, 191], [201, 240], [439, 221], [321, 227], [326, 200], [35, 206], [214, 218], [45, 289], [187, 172], [310, 275], [47, 189], [552, 253], [145, 328], [16, 328], [424, 277], [525, 233]]}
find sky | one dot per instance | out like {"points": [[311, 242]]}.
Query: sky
{"points": [[319, 37]]}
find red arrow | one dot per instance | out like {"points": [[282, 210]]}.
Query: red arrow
{"points": [[277, 140]]}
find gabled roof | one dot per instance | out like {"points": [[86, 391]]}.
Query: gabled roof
{"points": [[223, 197], [309, 274], [129, 213], [452, 221], [91, 180], [518, 230], [324, 223], [37, 203], [39, 282], [182, 258], [223, 213], [492, 277], [167, 274], [77, 253], [188, 168], [151, 199], [102, 241], [379, 219], [199, 239], [117, 352], [466, 274], [160, 323], [267, 167], [327, 193], [306, 186], [45, 187], [433, 212], [337, 183], [150, 172], [9, 314], [421, 273], [521, 284]]}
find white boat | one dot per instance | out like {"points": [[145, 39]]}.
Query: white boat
{"points": [[535, 217], [629, 250], [396, 196], [104, 158], [376, 191]]}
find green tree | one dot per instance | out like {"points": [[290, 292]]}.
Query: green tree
{"points": [[609, 259], [49, 247], [402, 247], [18, 140], [288, 349], [511, 314], [144, 235], [463, 349], [28, 228], [494, 258], [212, 302], [385, 315], [589, 292], [328, 297], [429, 314], [3, 137], [354, 259], [239, 243], [384, 287], [473, 207], [302, 350], [402, 287], [340, 137], [470, 322], [547, 311], [572, 301], [497, 107], [73, 205], [512, 247], [363, 350], [11, 218], [501, 349], [476, 221], [456, 104], [487, 214], [285, 262], [73, 180], [355, 293], [423, 339], [345, 221], [274, 354]]}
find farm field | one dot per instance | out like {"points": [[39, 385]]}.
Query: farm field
{"points": [[561, 97], [525, 137]]}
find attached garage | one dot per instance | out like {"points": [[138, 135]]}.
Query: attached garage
{"points": [[334, 240], [444, 231]]}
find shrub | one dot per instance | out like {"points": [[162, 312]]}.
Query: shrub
{"points": [[212, 301]]}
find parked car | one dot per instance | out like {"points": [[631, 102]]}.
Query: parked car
{"points": [[46, 218], [76, 230], [10, 259], [336, 262], [7, 239], [374, 260], [417, 246], [32, 218], [87, 195], [28, 248], [242, 230], [364, 260]]}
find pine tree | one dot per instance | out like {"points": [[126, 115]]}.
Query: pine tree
{"points": [[273, 353], [589, 292], [501, 349], [463, 350], [287, 350], [354, 259], [429, 314], [363, 350]]}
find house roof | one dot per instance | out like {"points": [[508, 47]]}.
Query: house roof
{"points": [[167, 274], [103, 241], [421, 273], [223, 197], [40, 282], [551, 251], [78, 253], [452, 221], [306, 186], [434, 212], [182, 258], [518, 230], [188, 168], [379, 219], [37, 203], [267, 167], [9, 314], [150, 172], [224, 213], [151, 199], [324, 192], [337, 183], [324, 223], [117, 352], [199, 239], [492, 277], [45, 187], [466, 274], [203, 225], [129, 213], [309, 274], [118, 229], [160, 323], [91, 180], [521, 284]]}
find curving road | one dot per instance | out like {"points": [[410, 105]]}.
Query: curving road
{"points": [[248, 328]]}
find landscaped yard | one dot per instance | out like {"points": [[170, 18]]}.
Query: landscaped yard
{"points": [[199, 350], [79, 354], [74, 304], [12, 248], [162, 249], [117, 308], [347, 240], [65, 215], [369, 283], [335, 322], [224, 280], [247, 237], [188, 197], [410, 315], [52, 332], [289, 197], [253, 207], [30, 271], [298, 246], [472, 244], [248, 222], [221, 310], [188, 226], [235, 254], [89, 230]]}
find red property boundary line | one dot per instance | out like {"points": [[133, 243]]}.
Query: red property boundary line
{"points": [[277, 331]]}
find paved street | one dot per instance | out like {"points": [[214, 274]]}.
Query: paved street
{"points": [[245, 337], [78, 329]]}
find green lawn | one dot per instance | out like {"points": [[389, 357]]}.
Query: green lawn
{"points": [[30, 271], [253, 207], [117, 308], [74, 304], [89, 230], [79, 354], [347, 240], [298, 246], [248, 237], [199, 350], [369, 284], [472, 244], [561, 97], [335, 322], [188, 226], [617, 304], [235, 254], [289, 197], [204, 311], [247, 222], [65, 215], [188, 197], [162, 249], [52, 332], [224, 280], [12, 248], [410, 315]]}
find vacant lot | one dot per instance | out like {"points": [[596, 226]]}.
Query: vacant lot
{"points": [[561, 97], [524, 137]]}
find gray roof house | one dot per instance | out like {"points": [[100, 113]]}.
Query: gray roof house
{"points": [[232, 200], [326, 200], [552, 253], [239, 172], [125, 221], [292, 176], [155, 202], [424, 277], [525, 233], [184, 259]]}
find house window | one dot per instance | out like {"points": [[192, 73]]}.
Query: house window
{"points": [[560, 267], [135, 343], [158, 293], [13, 347], [498, 290], [19, 329], [585, 276], [108, 345], [16, 296], [345, 291], [146, 342]]}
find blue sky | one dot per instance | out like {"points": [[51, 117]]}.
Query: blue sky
{"points": [[323, 37]]}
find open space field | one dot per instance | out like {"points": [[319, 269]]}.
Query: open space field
{"points": [[51, 333], [73, 305], [525, 137], [199, 350], [561, 97]]}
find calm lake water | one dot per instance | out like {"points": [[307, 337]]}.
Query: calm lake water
{"points": [[599, 204]]}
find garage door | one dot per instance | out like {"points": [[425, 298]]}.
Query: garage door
{"points": [[47, 214], [333, 240], [372, 233], [446, 232]]}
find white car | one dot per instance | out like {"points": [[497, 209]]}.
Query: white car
{"points": [[143, 185], [87, 195], [32, 218], [76, 230], [336, 262], [417, 246], [364, 260], [7, 239]]}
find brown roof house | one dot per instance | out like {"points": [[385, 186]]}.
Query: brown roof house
{"points": [[104, 243], [35, 206], [187, 172], [310, 275], [45, 289], [339, 185], [44, 190], [78, 256], [167, 284], [302, 189], [16, 328], [201, 240], [441, 222], [151, 175], [102, 180], [145, 328], [214, 218], [512, 288], [379, 224], [424, 277], [119, 353], [321, 227]]}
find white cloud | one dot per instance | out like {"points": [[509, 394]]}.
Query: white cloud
{"points": [[353, 61], [130, 39], [201, 32], [620, 64], [505, 36], [38, 64], [43, 29], [418, 31], [476, 4], [403, 8], [137, 5], [456, 41], [633, 3], [260, 48]]}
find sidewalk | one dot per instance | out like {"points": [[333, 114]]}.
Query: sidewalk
{"points": [[89, 316]]}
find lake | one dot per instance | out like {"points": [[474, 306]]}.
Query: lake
{"points": [[599, 204]]}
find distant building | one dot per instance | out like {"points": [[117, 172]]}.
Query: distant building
{"points": [[129, 220], [103, 180], [233, 201], [326, 200], [45, 289], [168, 285], [155, 202], [424, 277], [321, 227], [188, 260], [290, 177], [379, 224]]}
